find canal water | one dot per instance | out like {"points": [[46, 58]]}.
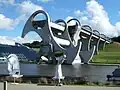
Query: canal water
{"points": [[91, 72]]}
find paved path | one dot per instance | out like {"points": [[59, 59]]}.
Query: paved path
{"points": [[35, 87]]}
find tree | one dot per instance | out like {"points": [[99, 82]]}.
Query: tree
{"points": [[116, 39]]}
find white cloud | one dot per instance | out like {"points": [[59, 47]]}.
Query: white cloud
{"points": [[78, 13], [72, 22], [25, 40], [117, 26], [6, 40], [11, 40], [97, 17], [6, 23], [29, 37], [69, 17], [27, 7], [7, 1], [9, 23], [44, 1], [118, 12]]}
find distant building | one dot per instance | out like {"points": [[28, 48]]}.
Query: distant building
{"points": [[24, 53]]}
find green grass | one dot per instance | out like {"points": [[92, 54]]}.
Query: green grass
{"points": [[57, 53], [113, 47], [110, 55], [36, 49]]}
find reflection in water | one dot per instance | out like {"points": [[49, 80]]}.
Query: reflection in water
{"points": [[91, 72]]}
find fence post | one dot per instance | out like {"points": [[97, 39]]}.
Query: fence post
{"points": [[5, 85]]}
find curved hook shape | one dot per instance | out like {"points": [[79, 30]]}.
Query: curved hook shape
{"points": [[45, 33], [86, 42], [84, 26], [74, 36], [71, 51], [74, 20], [95, 31], [65, 32], [95, 41], [28, 26], [103, 36], [60, 20], [87, 52]]}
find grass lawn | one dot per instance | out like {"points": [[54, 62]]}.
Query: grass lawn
{"points": [[107, 57], [36, 49], [110, 54]]}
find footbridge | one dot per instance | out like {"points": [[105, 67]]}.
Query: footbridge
{"points": [[78, 43]]}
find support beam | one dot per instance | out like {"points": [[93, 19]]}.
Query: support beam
{"points": [[102, 42], [95, 41], [86, 52]]}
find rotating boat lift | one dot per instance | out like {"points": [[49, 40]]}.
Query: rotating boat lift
{"points": [[45, 30], [78, 43]]}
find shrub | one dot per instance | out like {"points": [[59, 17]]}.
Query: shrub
{"points": [[96, 83], [43, 81], [107, 83]]}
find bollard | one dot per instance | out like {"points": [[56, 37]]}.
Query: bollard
{"points": [[5, 85]]}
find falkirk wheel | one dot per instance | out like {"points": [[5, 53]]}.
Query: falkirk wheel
{"points": [[78, 43]]}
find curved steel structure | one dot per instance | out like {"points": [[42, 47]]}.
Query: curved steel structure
{"points": [[46, 33], [77, 43]]}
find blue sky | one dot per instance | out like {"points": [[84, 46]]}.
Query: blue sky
{"points": [[103, 15]]}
